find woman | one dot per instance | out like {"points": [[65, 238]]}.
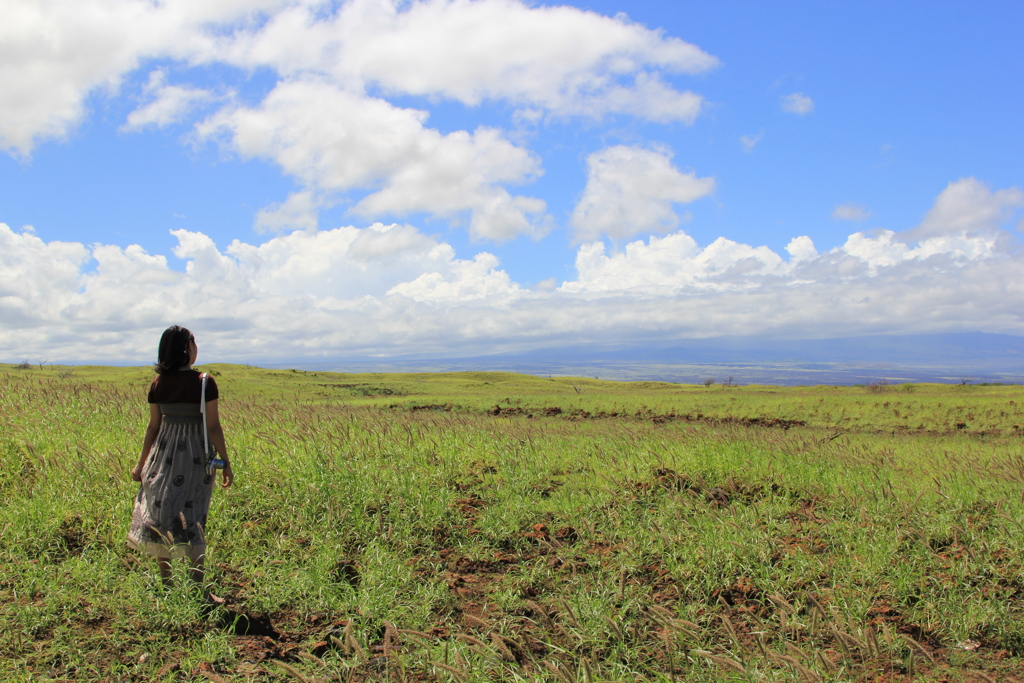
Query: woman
{"points": [[169, 518]]}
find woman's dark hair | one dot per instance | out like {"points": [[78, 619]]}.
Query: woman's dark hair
{"points": [[173, 352]]}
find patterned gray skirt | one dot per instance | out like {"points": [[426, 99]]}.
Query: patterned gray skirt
{"points": [[169, 518]]}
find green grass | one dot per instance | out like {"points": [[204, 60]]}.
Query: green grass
{"points": [[457, 527]]}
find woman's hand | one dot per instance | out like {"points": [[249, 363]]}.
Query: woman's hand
{"points": [[137, 473], [227, 477]]}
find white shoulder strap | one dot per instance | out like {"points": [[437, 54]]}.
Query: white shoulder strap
{"points": [[202, 409]]}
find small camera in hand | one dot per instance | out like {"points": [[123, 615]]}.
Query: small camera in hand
{"points": [[214, 464]]}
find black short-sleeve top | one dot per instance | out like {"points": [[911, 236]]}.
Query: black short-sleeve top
{"points": [[185, 386]]}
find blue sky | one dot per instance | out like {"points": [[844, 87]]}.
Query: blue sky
{"points": [[301, 179]]}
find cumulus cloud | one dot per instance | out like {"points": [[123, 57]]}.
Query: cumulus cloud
{"points": [[563, 60], [305, 291], [801, 248], [334, 141], [671, 263], [632, 190], [389, 289], [967, 206], [466, 281], [343, 263], [52, 56], [675, 263], [36, 278], [850, 212], [319, 122], [168, 103], [57, 52], [299, 211], [797, 103]]}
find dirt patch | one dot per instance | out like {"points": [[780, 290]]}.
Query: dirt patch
{"points": [[578, 414], [71, 538], [567, 535], [346, 571], [256, 649], [544, 490], [241, 623], [470, 507], [471, 581], [733, 489], [509, 411]]}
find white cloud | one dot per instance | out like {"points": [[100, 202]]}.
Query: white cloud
{"points": [[797, 103], [675, 263], [967, 206], [648, 97], [52, 55], [850, 212], [248, 299], [299, 211], [335, 141], [169, 103], [546, 285], [632, 190], [389, 289], [388, 244], [318, 123], [301, 291], [562, 59], [36, 278], [750, 141], [344, 263], [55, 52], [671, 263], [801, 248], [466, 281]]}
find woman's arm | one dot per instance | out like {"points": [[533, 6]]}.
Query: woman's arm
{"points": [[227, 477], [152, 429]]}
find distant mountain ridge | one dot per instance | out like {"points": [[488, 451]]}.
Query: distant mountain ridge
{"points": [[953, 351], [969, 357]]}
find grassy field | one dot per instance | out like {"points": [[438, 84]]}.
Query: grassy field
{"points": [[498, 527]]}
